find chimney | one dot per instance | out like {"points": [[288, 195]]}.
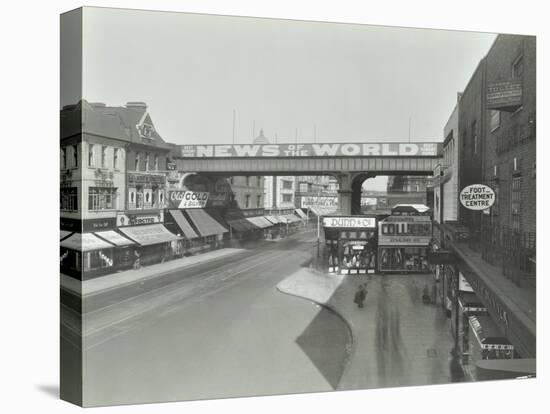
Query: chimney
{"points": [[136, 105]]}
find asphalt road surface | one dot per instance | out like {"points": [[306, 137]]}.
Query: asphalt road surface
{"points": [[219, 330]]}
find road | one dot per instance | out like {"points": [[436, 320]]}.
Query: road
{"points": [[222, 329], [219, 330]]}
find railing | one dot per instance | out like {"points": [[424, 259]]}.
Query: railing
{"points": [[514, 251]]}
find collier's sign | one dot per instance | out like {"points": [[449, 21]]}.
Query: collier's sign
{"points": [[362, 222], [188, 199], [311, 150]]}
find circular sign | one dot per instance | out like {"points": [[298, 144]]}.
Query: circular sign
{"points": [[477, 197]]}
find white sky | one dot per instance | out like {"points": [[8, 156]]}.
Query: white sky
{"points": [[347, 82]]}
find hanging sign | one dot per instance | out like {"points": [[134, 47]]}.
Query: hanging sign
{"points": [[477, 197]]}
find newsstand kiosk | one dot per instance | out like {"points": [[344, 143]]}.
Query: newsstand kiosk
{"points": [[350, 244]]}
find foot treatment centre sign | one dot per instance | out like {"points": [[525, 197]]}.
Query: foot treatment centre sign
{"points": [[477, 197], [312, 150]]}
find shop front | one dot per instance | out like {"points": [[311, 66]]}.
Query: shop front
{"points": [[84, 255], [154, 243], [190, 242], [485, 343], [210, 231], [350, 244], [404, 243], [468, 305], [123, 250]]}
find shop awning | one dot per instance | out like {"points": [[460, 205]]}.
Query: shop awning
{"points": [[242, 225], [469, 302], [291, 218], [259, 222], [183, 224], [114, 237], [273, 219], [85, 242], [487, 334], [149, 234], [301, 213], [205, 224], [63, 234]]}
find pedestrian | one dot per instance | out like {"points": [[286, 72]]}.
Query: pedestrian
{"points": [[137, 263], [360, 295]]}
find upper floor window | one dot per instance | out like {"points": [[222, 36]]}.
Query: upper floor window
{"points": [[474, 137], [156, 162], [517, 68], [287, 185], [258, 201], [63, 158], [103, 157], [146, 162], [146, 131], [91, 161], [495, 120], [75, 156], [248, 181], [516, 203], [247, 200], [115, 158], [259, 181], [136, 164]]}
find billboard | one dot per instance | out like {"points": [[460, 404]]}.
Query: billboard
{"points": [[187, 199], [312, 150], [477, 197], [505, 95]]}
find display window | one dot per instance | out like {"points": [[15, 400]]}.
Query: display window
{"points": [[98, 259], [410, 259]]}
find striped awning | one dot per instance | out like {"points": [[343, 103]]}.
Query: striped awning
{"points": [[242, 225], [113, 237], [63, 234], [183, 224], [204, 223], [273, 219], [260, 222], [149, 234], [300, 213], [85, 242]]}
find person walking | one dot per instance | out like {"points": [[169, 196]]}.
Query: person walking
{"points": [[360, 295]]}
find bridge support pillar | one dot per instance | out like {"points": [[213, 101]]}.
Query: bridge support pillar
{"points": [[344, 194]]}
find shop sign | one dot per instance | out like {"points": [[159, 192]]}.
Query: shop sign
{"points": [[188, 199], [123, 219], [87, 225], [504, 96], [404, 240], [309, 201], [477, 197], [353, 221], [217, 199], [463, 284], [146, 179], [313, 150]]}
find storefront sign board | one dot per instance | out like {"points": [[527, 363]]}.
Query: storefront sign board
{"points": [[477, 197], [352, 221], [188, 199]]}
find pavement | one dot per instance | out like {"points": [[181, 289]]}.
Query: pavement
{"points": [[396, 339], [128, 277]]}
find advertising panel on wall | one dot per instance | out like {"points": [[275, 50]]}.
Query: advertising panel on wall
{"points": [[312, 150], [187, 199]]}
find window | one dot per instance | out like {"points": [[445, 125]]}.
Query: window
{"points": [[146, 131], [156, 162], [287, 198], [517, 68], [101, 198], [115, 158], [247, 200], [75, 156], [91, 155], [287, 185], [259, 181], [258, 201], [248, 181], [495, 120], [104, 157], [474, 137], [139, 196], [146, 162], [69, 199], [63, 158], [516, 203], [136, 165]]}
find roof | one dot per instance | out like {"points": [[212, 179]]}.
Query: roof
{"points": [[116, 122]]}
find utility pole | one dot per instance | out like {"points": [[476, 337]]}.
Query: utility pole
{"points": [[233, 127]]}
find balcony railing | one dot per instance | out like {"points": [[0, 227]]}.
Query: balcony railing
{"points": [[513, 250]]}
